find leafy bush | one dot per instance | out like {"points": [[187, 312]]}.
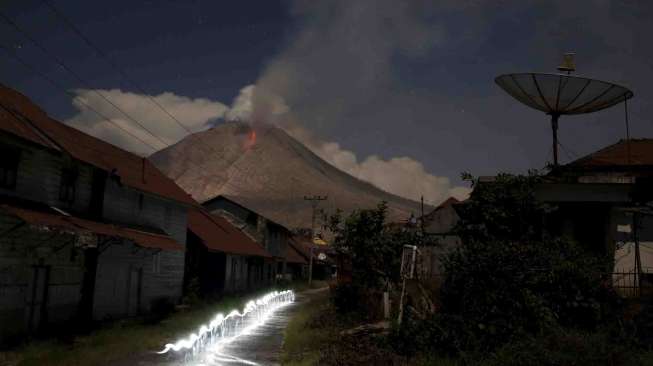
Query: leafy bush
{"points": [[563, 347], [510, 279], [374, 250], [506, 289]]}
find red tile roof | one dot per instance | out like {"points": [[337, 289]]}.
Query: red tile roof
{"points": [[641, 154], [141, 238], [26, 120], [219, 235]]}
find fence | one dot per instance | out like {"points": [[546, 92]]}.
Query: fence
{"points": [[632, 284]]}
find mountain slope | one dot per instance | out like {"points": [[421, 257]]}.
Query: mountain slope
{"points": [[270, 172]]}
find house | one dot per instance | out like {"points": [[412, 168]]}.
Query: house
{"points": [[272, 235], [296, 263], [603, 200], [87, 230], [223, 259], [439, 223], [324, 256]]}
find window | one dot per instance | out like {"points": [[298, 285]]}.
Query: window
{"points": [[9, 159], [68, 184]]}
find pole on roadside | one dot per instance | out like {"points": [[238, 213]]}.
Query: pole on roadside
{"points": [[315, 199]]}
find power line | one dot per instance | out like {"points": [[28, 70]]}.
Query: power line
{"points": [[123, 74], [63, 89], [134, 84], [99, 51], [79, 78]]}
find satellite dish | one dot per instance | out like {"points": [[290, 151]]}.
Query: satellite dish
{"points": [[560, 94]]}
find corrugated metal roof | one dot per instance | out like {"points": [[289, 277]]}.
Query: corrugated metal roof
{"points": [[28, 121], [219, 235], [71, 223], [641, 154]]}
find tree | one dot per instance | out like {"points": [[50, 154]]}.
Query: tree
{"points": [[510, 278], [373, 248]]}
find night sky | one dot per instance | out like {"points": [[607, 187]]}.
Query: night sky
{"points": [[384, 78]]}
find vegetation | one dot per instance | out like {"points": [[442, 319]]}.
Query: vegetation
{"points": [[374, 251], [513, 294], [517, 293]]}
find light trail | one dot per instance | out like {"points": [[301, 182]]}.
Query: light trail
{"points": [[224, 329]]}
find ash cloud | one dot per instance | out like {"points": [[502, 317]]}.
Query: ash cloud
{"points": [[339, 71]]}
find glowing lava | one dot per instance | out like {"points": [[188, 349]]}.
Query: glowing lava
{"points": [[251, 139]]}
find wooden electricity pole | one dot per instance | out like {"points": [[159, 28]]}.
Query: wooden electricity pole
{"points": [[315, 201]]}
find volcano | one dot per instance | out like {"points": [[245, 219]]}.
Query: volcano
{"points": [[270, 172]]}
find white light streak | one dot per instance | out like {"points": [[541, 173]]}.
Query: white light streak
{"points": [[223, 328]]}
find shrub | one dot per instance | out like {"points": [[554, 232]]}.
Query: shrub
{"points": [[374, 250], [510, 279], [505, 289], [563, 347]]}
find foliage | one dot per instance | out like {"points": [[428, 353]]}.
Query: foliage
{"points": [[564, 347], [374, 248], [504, 209], [510, 279], [504, 290]]}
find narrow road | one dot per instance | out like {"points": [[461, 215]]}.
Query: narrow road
{"points": [[260, 347]]}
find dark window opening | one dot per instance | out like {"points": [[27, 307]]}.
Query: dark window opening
{"points": [[68, 184], [9, 159], [251, 219]]}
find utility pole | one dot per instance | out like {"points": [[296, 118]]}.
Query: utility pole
{"points": [[315, 200]]}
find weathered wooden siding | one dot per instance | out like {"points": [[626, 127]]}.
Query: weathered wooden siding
{"points": [[125, 205], [129, 278], [27, 257], [45, 263], [39, 177]]}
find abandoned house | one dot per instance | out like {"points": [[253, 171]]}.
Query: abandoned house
{"points": [[87, 230], [222, 259], [272, 235]]}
